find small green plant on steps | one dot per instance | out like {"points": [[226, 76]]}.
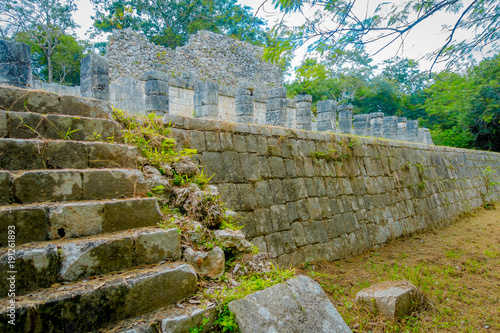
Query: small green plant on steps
{"points": [[150, 136]]}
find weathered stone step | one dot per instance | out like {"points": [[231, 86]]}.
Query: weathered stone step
{"points": [[41, 222], [41, 265], [171, 319], [71, 185], [29, 125], [35, 154], [89, 305], [27, 100]]}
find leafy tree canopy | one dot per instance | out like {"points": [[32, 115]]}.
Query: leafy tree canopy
{"points": [[337, 26], [170, 23], [41, 23]]}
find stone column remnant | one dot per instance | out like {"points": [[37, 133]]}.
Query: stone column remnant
{"points": [[206, 100], [361, 124], [15, 64], [304, 113], [376, 122], [94, 77], [345, 119], [327, 115], [244, 103], [401, 131], [156, 90], [277, 108], [412, 130], [424, 136], [390, 127]]}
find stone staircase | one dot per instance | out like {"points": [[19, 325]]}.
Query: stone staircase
{"points": [[87, 253]]}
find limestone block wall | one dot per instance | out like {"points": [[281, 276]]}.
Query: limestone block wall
{"points": [[308, 195], [209, 56], [57, 88]]}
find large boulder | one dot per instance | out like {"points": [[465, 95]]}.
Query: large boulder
{"points": [[298, 305], [392, 299]]}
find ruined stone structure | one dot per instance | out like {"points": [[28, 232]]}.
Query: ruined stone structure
{"points": [[15, 64], [209, 56], [87, 249], [301, 205]]}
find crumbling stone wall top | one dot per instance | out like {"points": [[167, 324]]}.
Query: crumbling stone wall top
{"points": [[209, 56]]}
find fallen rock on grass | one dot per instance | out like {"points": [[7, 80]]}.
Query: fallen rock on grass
{"points": [[297, 305], [392, 299]]}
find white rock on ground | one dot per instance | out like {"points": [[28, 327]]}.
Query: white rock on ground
{"points": [[298, 305], [392, 299]]}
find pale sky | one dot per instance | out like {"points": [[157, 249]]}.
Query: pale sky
{"points": [[423, 39]]}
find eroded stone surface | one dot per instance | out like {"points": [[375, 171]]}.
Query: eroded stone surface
{"points": [[393, 299], [298, 305], [208, 264], [233, 239]]}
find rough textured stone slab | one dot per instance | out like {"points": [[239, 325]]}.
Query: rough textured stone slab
{"points": [[83, 307], [53, 185], [4, 188], [18, 99], [171, 319], [113, 183], [207, 264], [35, 267], [298, 305], [131, 213], [30, 224], [393, 299], [107, 155]]}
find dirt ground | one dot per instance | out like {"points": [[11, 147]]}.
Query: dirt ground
{"points": [[457, 268]]}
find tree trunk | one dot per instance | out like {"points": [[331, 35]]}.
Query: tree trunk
{"points": [[49, 68]]}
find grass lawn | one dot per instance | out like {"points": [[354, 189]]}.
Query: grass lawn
{"points": [[456, 268]]}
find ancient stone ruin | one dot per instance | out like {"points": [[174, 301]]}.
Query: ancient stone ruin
{"points": [[78, 231]]}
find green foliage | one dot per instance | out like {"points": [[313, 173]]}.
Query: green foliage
{"points": [[150, 136], [66, 58], [465, 108], [170, 23], [41, 23]]}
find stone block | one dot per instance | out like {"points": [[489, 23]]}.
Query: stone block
{"points": [[207, 264], [5, 186], [207, 111], [232, 167], [94, 64], [298, 305], [107, 155], [131, 213], [246, 197], [18, 154], [152, 246], [392, 299], [239, 143], [53, 185], [279, 217], [157, 102], [15, 74], [276, 187], [66, 155], [277, 167], [14, 52], [156, 87], [233, 239], [263, 222], [36, 267], [274, 244], [29, 223], [288, 241], [263, 194], [202, 318], [95, 257], [250, 166]]}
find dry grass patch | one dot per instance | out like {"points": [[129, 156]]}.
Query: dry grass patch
{"points": [[457, 269]]}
